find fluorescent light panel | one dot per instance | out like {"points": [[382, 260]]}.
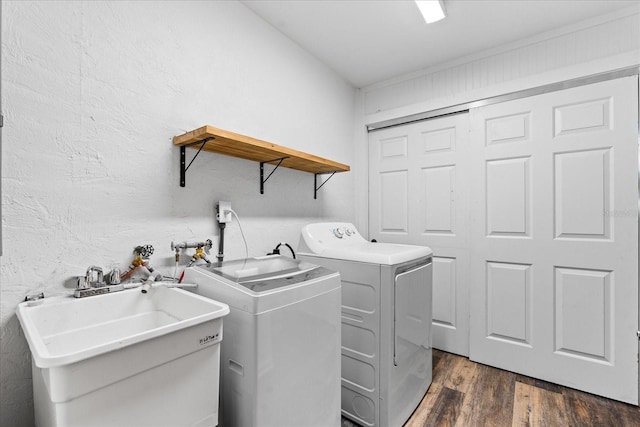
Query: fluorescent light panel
{"points": [[432, 10]]}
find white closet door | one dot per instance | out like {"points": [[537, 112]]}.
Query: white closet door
{"points": [[417, 195], [554, 234]]}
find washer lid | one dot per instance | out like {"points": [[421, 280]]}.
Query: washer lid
{"points": [[341, 240], [267, 273], [259, 285]]}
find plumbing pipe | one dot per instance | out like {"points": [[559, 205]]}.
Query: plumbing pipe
{"points": [[173, 285], [169, 285], [221, 242], [146, 285]]}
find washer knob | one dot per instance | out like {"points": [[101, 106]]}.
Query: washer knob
{"points": [[338, 233], [348, 232]]}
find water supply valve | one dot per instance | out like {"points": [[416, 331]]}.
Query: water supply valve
{"points": [[143, 251], [141, 260], [206, 245], [202, 250]]}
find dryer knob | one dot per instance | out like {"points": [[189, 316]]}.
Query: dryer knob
{"points": [[348, 232], [338, 233]]}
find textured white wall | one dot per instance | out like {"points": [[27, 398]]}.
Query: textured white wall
{"points": [[93, 92]]}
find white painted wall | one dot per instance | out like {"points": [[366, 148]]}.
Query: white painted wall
{"points": [[600, 44], [93, 92]]}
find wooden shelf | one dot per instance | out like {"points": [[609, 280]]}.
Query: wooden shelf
{"points": [[209, 138]]}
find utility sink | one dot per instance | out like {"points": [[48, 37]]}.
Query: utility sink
{"points": [[63, 330], [129, 349]]}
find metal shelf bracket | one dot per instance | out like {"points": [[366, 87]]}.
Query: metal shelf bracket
{"points": [[262, 178], [316, 187], [183, 156]]}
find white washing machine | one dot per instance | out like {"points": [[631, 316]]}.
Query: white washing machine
{"points": [[280, 362], [386, 321]]}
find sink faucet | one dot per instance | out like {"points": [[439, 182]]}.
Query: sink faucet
{"points": [[93, 284]]}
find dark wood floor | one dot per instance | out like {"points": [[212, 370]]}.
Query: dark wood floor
{"points": [[464, 393]]}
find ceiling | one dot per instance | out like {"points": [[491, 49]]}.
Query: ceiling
{"points": [[368, 41]]}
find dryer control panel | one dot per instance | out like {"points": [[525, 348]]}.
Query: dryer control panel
{"points": [[344, 231], [333, 233]]}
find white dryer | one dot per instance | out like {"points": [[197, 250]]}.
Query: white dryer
{"points": [[280, 362], [386, 321]]}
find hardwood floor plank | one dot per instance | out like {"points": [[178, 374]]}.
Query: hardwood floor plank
{"points": [[436, 356], [522, 407], [444, 365], [422, 412], [534, 406], [539, 383], [582, 413], [587, 409], [489, 400], [462, 376], [446, 408]]}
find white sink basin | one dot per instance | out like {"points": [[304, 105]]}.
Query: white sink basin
{"points": [[64, 330], [128, 348]]}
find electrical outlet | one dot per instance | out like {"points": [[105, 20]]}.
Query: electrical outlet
{"points": [[223, 211]]}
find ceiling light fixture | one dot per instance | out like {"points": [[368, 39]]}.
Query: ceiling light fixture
{"points": [[432, 10]]}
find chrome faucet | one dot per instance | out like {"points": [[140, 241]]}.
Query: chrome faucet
{"points": [[93, 284]]}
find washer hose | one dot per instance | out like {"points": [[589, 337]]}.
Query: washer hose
{"points": [[276, 250]]}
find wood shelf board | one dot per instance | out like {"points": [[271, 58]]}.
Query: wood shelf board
{"points": [[245, 147]]}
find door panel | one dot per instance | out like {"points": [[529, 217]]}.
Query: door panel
{"points": [[554, 234], [393, 190], [419, 195], [582, 194], [583, 302], [508, 197], [509, 302], [439, 185]]}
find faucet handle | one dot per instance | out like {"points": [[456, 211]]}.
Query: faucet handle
{"points": [[94, 277], [83, 283], [114, 276]]}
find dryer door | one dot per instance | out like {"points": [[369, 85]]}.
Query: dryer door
{"points": [[412, 314]]}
